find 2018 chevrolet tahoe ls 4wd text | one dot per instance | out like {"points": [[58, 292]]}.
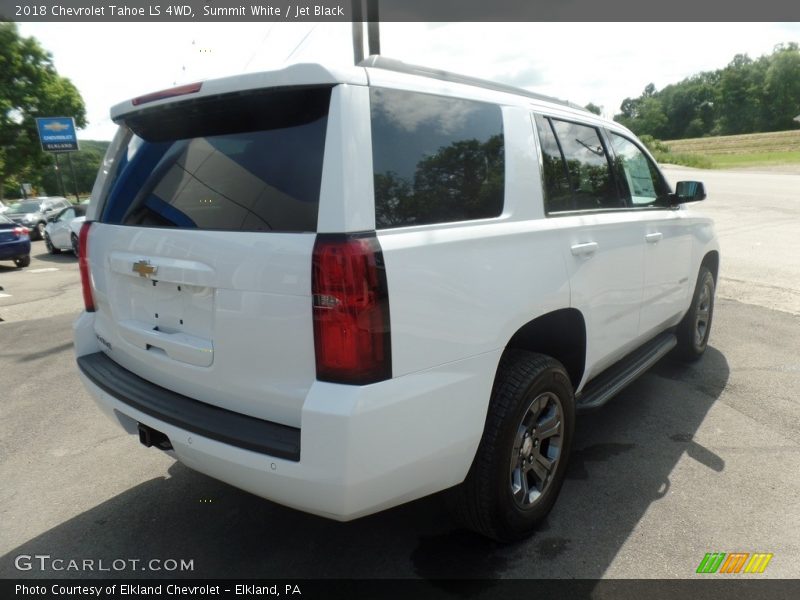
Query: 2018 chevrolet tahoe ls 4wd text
{"points": [[345, 289]]}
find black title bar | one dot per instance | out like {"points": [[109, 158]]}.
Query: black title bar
{"points": [[400, 10], [700, 588]]}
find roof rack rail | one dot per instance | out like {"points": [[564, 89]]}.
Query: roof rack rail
{"points": [[390, 64]]}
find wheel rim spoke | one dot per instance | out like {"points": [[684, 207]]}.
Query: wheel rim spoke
{"points": [[536, 449], [543, 469], [549, 427]]}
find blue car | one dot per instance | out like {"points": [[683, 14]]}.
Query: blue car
{"points": [[15, 243]]}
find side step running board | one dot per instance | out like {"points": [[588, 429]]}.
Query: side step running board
{"points": [[611, 381]]}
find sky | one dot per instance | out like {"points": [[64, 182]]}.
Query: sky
{"points": [[602, 63]]}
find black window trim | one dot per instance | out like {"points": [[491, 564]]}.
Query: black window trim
{"points": [[600, 130]]}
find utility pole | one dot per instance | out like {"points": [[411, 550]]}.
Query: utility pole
{"points": [[373, 29], [74, 179], [59, 179]]}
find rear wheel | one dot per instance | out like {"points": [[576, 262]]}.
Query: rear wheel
{"points": [[40, 230], [694, 329], [49, 245], [522, 458], [74, 240], [22, 261]]}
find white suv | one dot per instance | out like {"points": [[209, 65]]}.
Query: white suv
{"points": [[346, 289]]}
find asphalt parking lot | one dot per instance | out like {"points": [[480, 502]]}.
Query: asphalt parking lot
{"points": [[688, 460]]}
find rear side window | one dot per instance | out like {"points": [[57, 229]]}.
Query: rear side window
{"points": [[238, 162], [557, 189], [435, 159], [575, 159]]}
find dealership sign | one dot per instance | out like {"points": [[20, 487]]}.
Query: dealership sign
{"points": [[57, 134]]}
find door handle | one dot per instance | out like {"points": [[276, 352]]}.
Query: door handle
{"points": [[587, 249], [653, 238]]}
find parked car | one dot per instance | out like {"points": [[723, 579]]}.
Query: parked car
{"points": [[3, 208], [15, 244], [35, 212], [62, 230], [346, 289]]}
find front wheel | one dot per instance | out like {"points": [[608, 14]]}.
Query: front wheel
{"points": [[48, 243], [74, 240], [40, 230], [694, 329], [520, 465]]}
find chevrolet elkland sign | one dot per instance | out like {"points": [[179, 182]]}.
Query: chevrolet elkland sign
{"points": [[57, 134]]}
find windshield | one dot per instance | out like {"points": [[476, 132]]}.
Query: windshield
{"points": [[24, 207]]}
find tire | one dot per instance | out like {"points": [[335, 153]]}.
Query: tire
{"points": [[49, 245], [22, 261], [695, 327], [509, 490], [74, 240], [40, 230]]}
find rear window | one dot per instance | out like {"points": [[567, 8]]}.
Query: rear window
{"points": [[239, 162], [435, 159]]}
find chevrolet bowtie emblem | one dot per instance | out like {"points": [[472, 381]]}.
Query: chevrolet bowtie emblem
{"points": [[144, 268]]}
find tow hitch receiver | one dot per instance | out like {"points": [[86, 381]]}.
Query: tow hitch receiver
{"points": [[150, 437]]}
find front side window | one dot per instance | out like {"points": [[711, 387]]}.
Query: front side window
{"points": [[645, 187], [435, 159]]}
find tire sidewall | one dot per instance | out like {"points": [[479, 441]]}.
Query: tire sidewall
{"points": [[521, 521], [705, 278]]}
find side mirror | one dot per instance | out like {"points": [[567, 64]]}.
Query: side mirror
{"points": [[689, 191]]}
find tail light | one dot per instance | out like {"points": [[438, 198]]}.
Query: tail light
{"points": [[83, 265], [19, 231], [352, 340]]}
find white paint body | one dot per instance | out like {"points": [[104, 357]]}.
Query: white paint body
{"points": [[61, 230], [458, 292]]}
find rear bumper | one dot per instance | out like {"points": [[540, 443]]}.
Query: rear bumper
{"points": [[361, 448], [17, 249], [190, 415]]}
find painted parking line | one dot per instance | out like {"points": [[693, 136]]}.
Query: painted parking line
{"points": [[46, 270], [2, 295]]}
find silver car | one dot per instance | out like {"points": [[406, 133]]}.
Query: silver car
{"points": [[35, 212]]}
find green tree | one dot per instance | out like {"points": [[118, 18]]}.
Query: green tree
{"points": [[30, 87], [85, 163], [782, 89], [593, 108], [739, 96], [652, 120]]}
